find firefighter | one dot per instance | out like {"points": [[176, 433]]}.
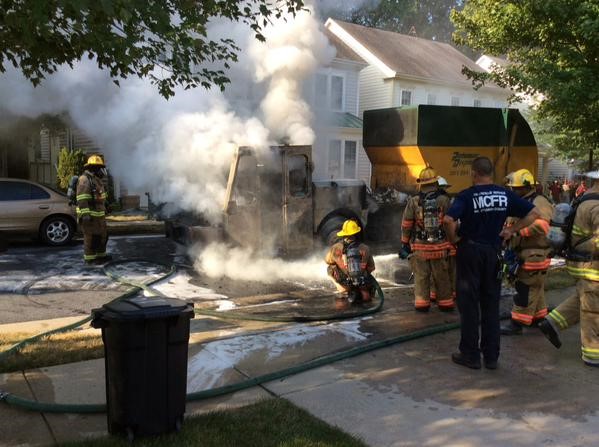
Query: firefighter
{"points": [[442, 190], [582, 262], [531, 249], [350, 263], [423, 237], [91, 211], [481, 211]]}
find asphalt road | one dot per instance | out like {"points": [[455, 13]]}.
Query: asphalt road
{"points": [[39, 282]]}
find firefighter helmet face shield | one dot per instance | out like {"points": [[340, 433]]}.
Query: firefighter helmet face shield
{"points": [[350, 228]]}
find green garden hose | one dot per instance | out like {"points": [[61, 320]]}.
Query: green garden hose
{"points": [[46, 407]]}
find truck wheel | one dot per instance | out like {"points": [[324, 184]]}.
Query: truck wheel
{"points": [[328, 230]]}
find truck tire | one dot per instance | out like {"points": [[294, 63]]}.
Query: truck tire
{"points": [[328, 230]]}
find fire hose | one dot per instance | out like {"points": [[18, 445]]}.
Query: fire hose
{"points": [[50, 407]]}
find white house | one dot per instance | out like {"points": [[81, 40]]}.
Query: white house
{"points": [[405, 70], [333, 93]]}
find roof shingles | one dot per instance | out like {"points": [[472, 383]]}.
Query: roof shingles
{"points": [[413, 56]]}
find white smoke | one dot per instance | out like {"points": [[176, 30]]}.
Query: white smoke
{"points": [[219, 260], [180, 150]]}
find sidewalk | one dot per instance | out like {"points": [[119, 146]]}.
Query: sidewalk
{"points": [[405, 395]]}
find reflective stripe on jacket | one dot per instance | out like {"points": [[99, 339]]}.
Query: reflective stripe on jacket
{"points": [[413, 223], [531, 243], [586, 226], [88, 204]]}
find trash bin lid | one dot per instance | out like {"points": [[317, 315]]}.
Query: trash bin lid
{"points": [[142, 308]]}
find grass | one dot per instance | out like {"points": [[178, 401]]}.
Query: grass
{"points": [[268, 423], [57, 349], [559, 278]]}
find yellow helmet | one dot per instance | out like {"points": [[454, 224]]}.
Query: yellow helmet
{"points": [[95, 160], [520, 178], [427, 176], [350, 227]]}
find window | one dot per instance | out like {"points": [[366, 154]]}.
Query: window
{"points": [[455, 101], [406, 98], [350, 159], [336, 100], [335, 158], [477, 103], [297, 166], [328, 92], [343, 159], [38, 193], [20, 191], [431, 99]]}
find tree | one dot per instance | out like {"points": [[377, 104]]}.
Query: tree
{"points": [[70, 163], [165, 41], [427, 19], [552, 48]]}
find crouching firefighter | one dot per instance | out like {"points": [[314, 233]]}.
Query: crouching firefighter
{"points": [[422, 235], [350, 264], [528, 252], [91, 211], [581, 250]]}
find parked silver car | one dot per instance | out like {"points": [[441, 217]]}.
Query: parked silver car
{"points": [[28, 208]]}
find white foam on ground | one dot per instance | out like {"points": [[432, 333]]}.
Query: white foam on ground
{"points": [[206, 368], [179, 286]]}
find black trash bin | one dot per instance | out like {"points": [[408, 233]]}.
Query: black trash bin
{"points": [[145, 357]]}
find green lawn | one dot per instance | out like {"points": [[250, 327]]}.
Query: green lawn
{"points": [[56, 349], [269, 423]]}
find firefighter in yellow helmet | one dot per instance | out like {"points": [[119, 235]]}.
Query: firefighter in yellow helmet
{"points": [[529, 252], [582, 262], [451, 264], [91, 210], [422, 235], [350, 264]]}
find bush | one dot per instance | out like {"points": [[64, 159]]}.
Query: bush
{"points": [[70, 163]]}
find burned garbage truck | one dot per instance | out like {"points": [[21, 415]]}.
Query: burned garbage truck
{"points": [[272, 202]]}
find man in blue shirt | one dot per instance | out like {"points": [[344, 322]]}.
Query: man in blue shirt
{"points": [[482, 210]]}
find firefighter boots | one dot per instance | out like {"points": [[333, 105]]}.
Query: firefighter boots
{"points": [[550, 333]]}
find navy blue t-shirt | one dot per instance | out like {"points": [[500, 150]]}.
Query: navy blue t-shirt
{"points": [[483, 209]]}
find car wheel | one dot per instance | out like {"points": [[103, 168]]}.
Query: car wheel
{"points": [[57, 231]]}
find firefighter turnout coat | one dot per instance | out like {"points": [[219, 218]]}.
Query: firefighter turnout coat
{"points": [[583, 305], [91, 201], [533, 250], [336, 258], [430, 248]]}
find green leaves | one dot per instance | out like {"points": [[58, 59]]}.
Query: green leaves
{"points": [[552, 48], [165, 41]]}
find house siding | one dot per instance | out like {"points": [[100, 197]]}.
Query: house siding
{"points": [[375, 92]]}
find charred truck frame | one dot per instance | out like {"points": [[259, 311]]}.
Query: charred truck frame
{"points": [[271, 201]]}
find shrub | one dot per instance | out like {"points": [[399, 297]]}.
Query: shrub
{"points": [[70, 163]]}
